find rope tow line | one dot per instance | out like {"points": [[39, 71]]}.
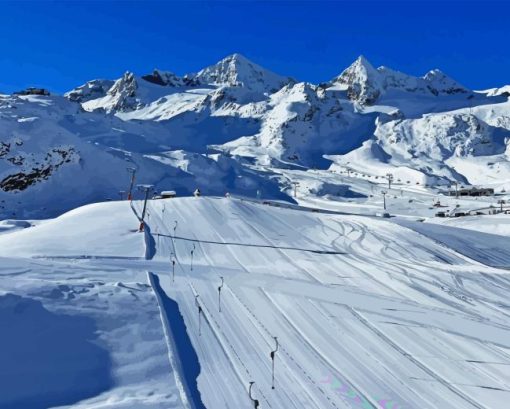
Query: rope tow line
{"points": [[316, 251]]}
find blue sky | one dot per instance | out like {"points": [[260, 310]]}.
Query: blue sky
{"points": [[60, 45]]}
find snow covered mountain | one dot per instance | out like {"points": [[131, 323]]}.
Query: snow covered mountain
{"points": [[237, 71], [427, 150], [55, 156], [301, 123], [233, 126], [366, 85]]}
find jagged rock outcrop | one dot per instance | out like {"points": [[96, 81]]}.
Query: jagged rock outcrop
{"points": [[90, 90]]}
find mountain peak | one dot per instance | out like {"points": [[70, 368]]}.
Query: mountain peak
{"points": [[439, 82], [236, 57], [365, 84], [126, 85], [361, 81], [362, 61], [236, 70], [360, 67]]}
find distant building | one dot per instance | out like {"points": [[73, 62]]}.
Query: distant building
{"points": [[458, 213], [167, 194], [33, 91], [472, 191]]}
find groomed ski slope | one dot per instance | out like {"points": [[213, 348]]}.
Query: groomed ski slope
{"points": [[368, 314]]}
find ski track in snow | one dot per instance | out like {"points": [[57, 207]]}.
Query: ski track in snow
{"points": [[413, 285]]}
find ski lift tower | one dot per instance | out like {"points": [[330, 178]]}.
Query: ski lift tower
{"points": [[456, 189], [389, 176], [501, 202], [146, 189], [132, 172], [296, 184]]}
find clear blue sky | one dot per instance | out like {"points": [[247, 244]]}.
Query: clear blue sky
{"points": [[60, 45]]}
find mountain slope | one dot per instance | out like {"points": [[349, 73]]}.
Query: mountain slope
{"points": [[235, 126], [438, 148], [55, 156]]}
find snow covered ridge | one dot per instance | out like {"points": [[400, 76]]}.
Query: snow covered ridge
{"points": [[505, 91], [232, 71]]}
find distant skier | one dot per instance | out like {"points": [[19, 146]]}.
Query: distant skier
{"points": [[197, 192]]}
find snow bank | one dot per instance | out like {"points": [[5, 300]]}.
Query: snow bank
{"points": [[102, 230]]}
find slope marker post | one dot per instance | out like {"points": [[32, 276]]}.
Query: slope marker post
{"points": [[199, 314], [219, 295], [255, 401], [273, 354], [192, 251]]}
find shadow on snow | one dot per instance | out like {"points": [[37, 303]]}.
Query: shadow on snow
{"points": [[48, 359]]}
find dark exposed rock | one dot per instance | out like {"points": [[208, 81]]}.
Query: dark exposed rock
{"points": [[163, 78], [22, 180], [5, 148], [16, 160]]}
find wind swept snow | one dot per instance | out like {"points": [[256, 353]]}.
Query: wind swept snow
{"points": [[76, 334], [101, 229]]}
